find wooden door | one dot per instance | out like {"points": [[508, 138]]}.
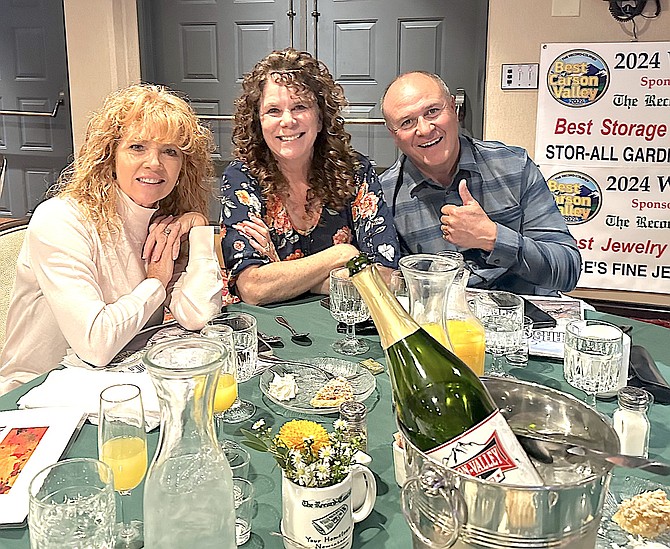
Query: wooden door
{"points": [[33, 75]]}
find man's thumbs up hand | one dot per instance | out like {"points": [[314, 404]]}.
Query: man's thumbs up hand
{"points": [[468, 226]]}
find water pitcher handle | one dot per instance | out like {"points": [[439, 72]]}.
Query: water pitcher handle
{"points": [[442, 506]]}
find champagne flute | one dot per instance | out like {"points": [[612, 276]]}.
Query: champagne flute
{"points": [[226, 388], [245, 344], [122, 444], [347, 305]]}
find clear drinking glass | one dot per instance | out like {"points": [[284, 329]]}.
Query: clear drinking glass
{"points": [[399, 288], [226, 387], [347, 305], [122, 444], [238, 458], [245, 340], [519, 358], [72, 506], [501, 314], [593, 354], [243, 492]]}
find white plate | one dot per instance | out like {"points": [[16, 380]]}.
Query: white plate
{"points": [[310, 379], [610, 536]]}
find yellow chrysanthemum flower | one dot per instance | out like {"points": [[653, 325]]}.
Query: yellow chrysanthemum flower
{"points": [[294, 433]]}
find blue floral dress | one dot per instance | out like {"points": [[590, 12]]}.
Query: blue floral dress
{"points": [[365, 222]]}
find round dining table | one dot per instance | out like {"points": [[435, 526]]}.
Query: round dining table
{"points": [[385, 526]]}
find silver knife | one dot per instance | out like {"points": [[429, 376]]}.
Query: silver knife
{"points": [[621, 460]]}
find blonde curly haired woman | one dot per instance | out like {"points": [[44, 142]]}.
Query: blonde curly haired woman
{"points": [[125, 234], [298, 201]]}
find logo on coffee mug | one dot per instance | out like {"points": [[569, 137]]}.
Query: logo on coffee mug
{"points": [[326, 524]]}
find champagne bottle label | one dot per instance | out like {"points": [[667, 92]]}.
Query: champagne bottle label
{"points": [[488, 451]]}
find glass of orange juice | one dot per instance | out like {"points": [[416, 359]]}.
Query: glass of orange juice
{"points": [[226, 388]]}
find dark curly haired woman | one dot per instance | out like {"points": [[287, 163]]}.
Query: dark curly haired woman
{"points": [[297, 190]]}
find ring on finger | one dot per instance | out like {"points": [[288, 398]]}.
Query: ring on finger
{"points": [[167, 231], [267, 247]]}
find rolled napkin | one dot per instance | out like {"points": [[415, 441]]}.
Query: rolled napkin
{"points": [[80, 388]]}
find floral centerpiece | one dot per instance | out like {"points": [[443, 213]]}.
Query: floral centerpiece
{"points": [[306, 452]]}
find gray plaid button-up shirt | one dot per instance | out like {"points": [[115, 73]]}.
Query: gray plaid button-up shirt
{"points": [[534, 251]]}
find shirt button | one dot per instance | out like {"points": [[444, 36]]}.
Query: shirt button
{"points": [[496, 261]]}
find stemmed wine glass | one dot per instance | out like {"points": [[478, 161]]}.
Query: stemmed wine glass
{"points": [[226, 388], [593, 354], [501, 314], [347, 305], [245, 343], [122, 444]]}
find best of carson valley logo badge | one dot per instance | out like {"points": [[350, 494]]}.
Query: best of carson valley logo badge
{"points": [[577, 196], [578, 78]]}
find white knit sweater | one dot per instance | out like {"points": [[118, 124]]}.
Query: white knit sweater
{"points": [[74, 290]]}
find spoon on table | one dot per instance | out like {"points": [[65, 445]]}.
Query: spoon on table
{"points": [[298, 338], [544, 446], [271, 340]]}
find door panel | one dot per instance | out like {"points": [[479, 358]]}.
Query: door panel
{"points": [[364, 43], [33, 71], [217, 43]]}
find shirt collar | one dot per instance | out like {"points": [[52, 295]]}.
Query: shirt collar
{"points": [[466, 160], [413, 177]]}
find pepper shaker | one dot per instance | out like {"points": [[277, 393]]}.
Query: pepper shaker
{"points": [[354, 414]]}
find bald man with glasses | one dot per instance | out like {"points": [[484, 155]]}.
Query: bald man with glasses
{"points": [[448, 191]]}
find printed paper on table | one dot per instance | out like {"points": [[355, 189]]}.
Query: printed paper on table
{"points": [[30, 440]]}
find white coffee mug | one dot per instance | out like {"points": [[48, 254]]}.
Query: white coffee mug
{"points": [[324, 517]]}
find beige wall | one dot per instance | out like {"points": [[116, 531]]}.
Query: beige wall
{"points": [[517, 28], [103, 54]]}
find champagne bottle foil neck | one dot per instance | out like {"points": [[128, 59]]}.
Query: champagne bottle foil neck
{"points": [[392, 321]]}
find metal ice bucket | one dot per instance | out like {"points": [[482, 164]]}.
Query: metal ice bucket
{"points": [[445, 508]]}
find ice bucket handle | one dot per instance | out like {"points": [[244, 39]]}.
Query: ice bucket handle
{"points": [[445, 513]]}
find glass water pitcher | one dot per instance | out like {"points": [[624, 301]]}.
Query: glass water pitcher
{"points": [[188, 492]]}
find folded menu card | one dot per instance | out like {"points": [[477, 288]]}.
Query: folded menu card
{"points": [[30, 440]]}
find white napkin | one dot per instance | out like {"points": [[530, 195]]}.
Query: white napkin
{"points": [[80, 388]]}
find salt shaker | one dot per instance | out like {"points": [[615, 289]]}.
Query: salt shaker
{"points": [[631, 422], [354, 414]]}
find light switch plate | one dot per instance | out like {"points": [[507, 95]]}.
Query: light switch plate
{"points": [[520, 76]]}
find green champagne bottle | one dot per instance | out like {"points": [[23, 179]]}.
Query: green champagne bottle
{"points": [[441, 405]]}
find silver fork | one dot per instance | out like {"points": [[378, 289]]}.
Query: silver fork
{"points": [[272, 360]]}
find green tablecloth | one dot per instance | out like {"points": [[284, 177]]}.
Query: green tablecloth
{"points": [[385, 527]]}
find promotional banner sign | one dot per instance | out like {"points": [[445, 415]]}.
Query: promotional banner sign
{"points": [[603, 144]]}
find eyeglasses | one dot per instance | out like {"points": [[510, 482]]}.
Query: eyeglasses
{"points": [[409, 124]]}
